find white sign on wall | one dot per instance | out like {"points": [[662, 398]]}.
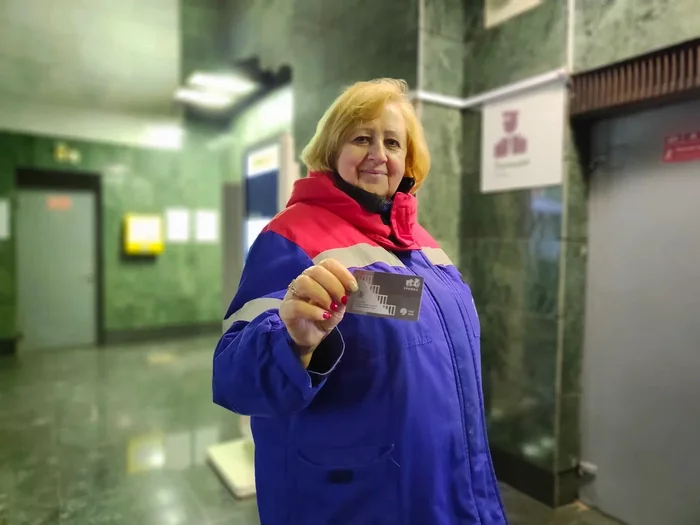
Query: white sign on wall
{"points": [[522, 140], [177, 225], [498, 11], [263, 160], [206, 226]]}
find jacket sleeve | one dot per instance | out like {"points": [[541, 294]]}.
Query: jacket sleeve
{"points": [[256, 371]]}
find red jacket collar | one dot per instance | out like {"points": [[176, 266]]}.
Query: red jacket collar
{"points": [[318, 189]]}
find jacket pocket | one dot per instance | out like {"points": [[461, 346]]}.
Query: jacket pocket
{"points": [[357, 486]]}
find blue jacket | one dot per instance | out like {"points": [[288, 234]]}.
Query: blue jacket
{"points": [[387, 424]]}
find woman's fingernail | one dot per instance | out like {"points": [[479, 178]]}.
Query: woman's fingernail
{"points": [[354, 287], [326, 315], [334, 306], [344, 300]]}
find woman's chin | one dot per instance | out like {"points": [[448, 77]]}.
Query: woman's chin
{"points": [[379, 187], [380, 192]]}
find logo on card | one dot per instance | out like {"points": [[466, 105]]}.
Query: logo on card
{"points": [[412, 284]]}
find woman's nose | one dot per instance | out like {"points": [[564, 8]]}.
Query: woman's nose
{"points": [[377, 152]]}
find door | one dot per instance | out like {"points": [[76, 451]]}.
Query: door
{"points": [[641, 381], [262, 177], [56, 269]]}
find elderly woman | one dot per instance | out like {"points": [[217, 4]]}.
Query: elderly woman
{"points": [[358, 419]]}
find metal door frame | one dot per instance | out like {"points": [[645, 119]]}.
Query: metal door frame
{"points": [[52, 180], [287, 168], [233, 206]]}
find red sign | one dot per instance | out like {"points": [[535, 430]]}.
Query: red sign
{"points": [[684, 147], [59, 202], [513, 143]]}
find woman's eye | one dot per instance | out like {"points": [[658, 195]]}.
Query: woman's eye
{"points": [[393, 143], [362, 140]]}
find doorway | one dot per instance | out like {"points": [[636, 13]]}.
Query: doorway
{"points": [[59, 263], [640, 424]]}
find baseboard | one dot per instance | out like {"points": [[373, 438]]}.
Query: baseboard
{"points": [[8, 346], [160, 333], [551, 488], [569, 483]]}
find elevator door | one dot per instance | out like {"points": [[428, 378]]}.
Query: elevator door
{"points": [[641, 381]]}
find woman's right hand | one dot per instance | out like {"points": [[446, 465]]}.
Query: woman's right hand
{"points": [[315, 303]]}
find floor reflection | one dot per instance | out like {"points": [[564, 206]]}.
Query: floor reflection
{"points": [[114, 436], [173, 451], [119, 436]]}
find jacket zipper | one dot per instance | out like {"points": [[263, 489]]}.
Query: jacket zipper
{"points": [[458, 381], [465, 315]]}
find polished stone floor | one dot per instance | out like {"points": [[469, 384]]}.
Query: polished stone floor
{"points": [[118, 436]]}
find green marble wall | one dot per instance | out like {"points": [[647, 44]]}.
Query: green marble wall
{"points": [[329, 45], [615, 30], [572, 309], [442, 52], [176, 288], [512, 250], [509, 245], [527, 45]]}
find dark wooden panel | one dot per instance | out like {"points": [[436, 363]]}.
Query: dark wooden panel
{"points": [[667, 75]]}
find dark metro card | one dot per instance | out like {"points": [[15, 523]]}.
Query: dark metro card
{"points": [[387, 295]]}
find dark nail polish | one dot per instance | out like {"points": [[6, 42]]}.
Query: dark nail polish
{"points": [[344, 300], [334, 306], [326, 315]]}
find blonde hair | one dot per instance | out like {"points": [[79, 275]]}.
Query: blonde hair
{"points": [[363, 102]]}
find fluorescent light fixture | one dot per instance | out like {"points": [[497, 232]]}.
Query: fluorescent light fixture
{"points": [[204, 98], [223, 83]]}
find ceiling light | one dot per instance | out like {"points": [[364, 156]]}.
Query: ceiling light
{"points": [[228, 83], [204, 98]]}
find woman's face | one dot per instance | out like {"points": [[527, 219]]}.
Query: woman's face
{"points": [[374, 156]]}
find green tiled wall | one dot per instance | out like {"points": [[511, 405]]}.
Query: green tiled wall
{"points": [[619, 29], [182, 286], [510, 249], [527, 45], [442, 52]]}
